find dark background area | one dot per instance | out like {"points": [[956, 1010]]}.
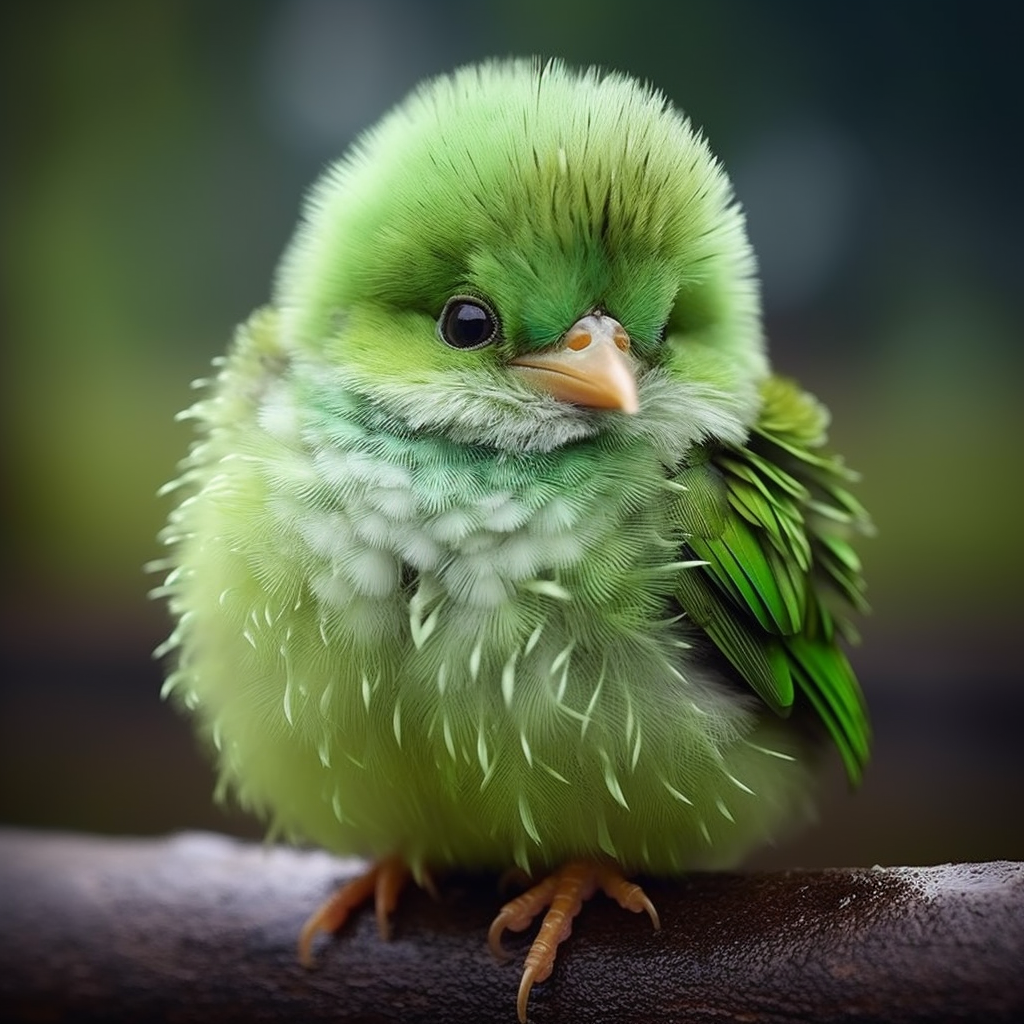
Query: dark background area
{"points": [[154, 159]]}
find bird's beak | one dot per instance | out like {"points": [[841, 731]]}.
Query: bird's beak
{"points": [[590, 366]]}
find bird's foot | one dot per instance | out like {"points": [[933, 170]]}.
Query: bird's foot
{"points": [[384, 882], [562, 895]]}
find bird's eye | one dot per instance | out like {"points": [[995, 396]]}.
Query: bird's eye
{"points": [[467, 323]]}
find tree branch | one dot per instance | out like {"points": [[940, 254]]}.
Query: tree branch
{"points": [[202, 928]]}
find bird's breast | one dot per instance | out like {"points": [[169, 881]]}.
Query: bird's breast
{"points": [[456, 653]]}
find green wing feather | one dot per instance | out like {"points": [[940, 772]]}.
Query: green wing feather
{"points": [[774, 521]]}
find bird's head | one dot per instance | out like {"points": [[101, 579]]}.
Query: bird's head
{"points": [[522, 256]]}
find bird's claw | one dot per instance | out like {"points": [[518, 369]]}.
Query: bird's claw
{"points": [[384, 882], [563, 895]]}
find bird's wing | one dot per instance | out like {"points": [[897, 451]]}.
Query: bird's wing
{"points": [[774, 522]]}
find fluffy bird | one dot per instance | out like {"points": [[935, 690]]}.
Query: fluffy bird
{"points": [[500, 545]]}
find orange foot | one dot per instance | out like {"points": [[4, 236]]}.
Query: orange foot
{"points": [[564, 894], [384, 882]]}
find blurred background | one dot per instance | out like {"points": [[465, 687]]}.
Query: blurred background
{"points": [[154, 159]]}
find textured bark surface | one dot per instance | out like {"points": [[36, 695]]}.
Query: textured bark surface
{"points": [[198, 927]]}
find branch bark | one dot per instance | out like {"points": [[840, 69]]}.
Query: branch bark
{"points": [[200, 928]]}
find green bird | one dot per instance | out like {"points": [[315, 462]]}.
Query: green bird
{"points": [[500, 545]]}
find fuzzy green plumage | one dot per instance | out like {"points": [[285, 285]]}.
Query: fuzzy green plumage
{"points": [[448, 594]]}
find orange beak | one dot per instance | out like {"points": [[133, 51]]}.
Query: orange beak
{"points": [[590, 366]]}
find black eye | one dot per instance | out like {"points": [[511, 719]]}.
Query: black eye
{"points": [[467, 323]]}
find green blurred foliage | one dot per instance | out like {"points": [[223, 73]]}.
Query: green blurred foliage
{"points": [[154, 159]]}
